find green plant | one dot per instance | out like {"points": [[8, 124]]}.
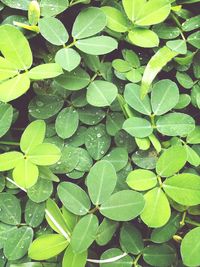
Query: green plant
{"points": [[99, 133]]}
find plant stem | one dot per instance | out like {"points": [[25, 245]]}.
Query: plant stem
{"points": [[136, 260], [11, 143], [189, 221], [182, 222], [175, 19]]}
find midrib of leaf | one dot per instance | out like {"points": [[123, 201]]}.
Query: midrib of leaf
{"points": [[93, 44], [100, 93], [100, 187], [120, 206], [53, 32], [10, 214], [162, 99], [141, 103]]}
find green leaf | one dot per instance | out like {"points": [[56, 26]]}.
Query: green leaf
{"points": [[74, 198], [116, 20], [143, 37], [193, 157], [159, 255], [183, 188], [138, 127], [154, 66], [115, 252], [67, 58], [194, 136], [53, 31], [15, 47], [98, 45], [14, 88], [118, 157], [10, 209], [99, 187], [33, 135], [9, 160], [101, 93], [41, 191], [6, 116], [74, 260], [185, 80], [132, 97], [5, 230], [164, 96], [133, 8], [52, 8], [131, 239], [171, 161], [44, 154], [47, 246], [89, 22], [45, 71], [191, 23], [141, 180], [178, 46], [23, 4], [106, 231], [174, 124], [84, 233], [157, 211], [34, 213], [153, 12], [25, 173], [67, 122], [194, 38], [190, 246], [124, 205], [7, 69]]}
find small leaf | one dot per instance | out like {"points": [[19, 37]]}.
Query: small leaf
{"points": [[178, 46], [143, 37], [74, 260], [34, 213], [45, 71], [67, 58], [7, 69], [194, 38], [138, 127], [9, 160], [133, 8], [50, 8], [6, 116]]}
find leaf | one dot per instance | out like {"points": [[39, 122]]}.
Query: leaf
{"points": [[34, 213], [74, 260], [183, 188], [153, 12], [118, 157], [132, 97], [137, 127], [178, 46], [133, 8], [15, 47], [89, 22], [143, 37], [41, 191], [154, 66], [25, 174], [99, 186], [14, 88], [22, 4], [45, 71], [194, 38], [106, 231], [101, 93], [67, 122], [171, 161], [141, 180], [53, 31], [185, 80], [47, 246], [52, 8], [174, 124], [9, 160], [191, 23], [115, 252], [124, 205], [164, 96], [116, 20], [84, 233], [194, 136], [74, 198], [6, 116], [5, 230], [18, 242], [44, 154], [157, 211], [190, 246], [98, 45], [10, 209], [7, 69], [33, 135], [68, 58]]}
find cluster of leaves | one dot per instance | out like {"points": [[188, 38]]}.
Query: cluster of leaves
{"points": [[99, 133]]}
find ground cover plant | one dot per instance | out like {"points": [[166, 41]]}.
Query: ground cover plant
{"points": [[99, 133]]}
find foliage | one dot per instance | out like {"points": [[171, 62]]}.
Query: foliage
{"points": [[99, 133]]}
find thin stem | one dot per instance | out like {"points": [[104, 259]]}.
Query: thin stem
{"points": [[108, 260], [189, 221], [136, 260], [13, 182], [174, 17], [182, 222], [94, 209], [9, 143]]}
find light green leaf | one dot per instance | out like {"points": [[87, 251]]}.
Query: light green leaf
{"points": [[101, 93], [124, 205], [184, 79], [194, 136], [47, 246], [183, 188], [138, 127], [7, 69], [70, 259], [33, 135], [194, 39], [118, 157], [141, 180], [84, 233], [74, 198], [98, 45], [171, 161], [89, 22], [6, 116], [9, 160], [192, 156], [143, 37], [178, 46], [67, 58], [116, 20], [52, 8], [157, 211], [99, 186], [53, 31], [133, 8], [154, 66], [14, 88], [15, 47], [44, 154], [164, 96], [45, 71]]}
